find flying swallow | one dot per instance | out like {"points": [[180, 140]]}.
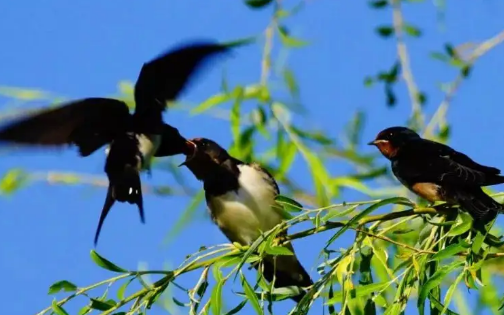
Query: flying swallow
{"points": [[241, 199], [436, 172], [133, 139]]}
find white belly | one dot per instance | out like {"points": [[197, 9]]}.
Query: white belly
{"points": [[245, 214]]}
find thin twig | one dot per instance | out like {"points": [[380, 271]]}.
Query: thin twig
{"points": [[402, 53], [479, 51]]}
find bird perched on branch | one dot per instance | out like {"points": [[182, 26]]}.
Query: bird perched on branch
{"points": [[241, 200], [133, 138], [436, 172]]}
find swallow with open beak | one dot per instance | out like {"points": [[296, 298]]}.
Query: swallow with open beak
{"points": [[241, 199], [436, 172], [133, 139]]}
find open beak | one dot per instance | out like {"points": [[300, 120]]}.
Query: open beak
{"points": [[193, 148]]}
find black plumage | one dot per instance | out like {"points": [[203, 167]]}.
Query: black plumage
{"points": [[437, 172], [134, 138], [241, 200]]}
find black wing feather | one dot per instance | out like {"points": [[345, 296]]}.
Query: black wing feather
{"points": [[429, 161], [88, 123], [165, 77]]}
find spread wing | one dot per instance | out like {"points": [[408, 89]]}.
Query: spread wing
{"points": [[165, 77], [88, 123], [439, 163]]}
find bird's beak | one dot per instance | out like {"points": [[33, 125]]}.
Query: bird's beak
{"points": [[193, 148], [375, 142]]}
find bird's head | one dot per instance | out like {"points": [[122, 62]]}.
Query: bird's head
{"points": [[206, 157], [389, 141]]}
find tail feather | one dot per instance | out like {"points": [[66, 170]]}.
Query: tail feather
{"points": [[124, 187], [480, 206], [287, 272]]}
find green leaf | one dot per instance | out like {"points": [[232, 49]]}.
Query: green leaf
{"points": [[211, 102], [290, 80], [337, 212], [286, 159], [385, 31], [13, 180], [258, 4], [216, 298], [369, 210], [106, 264], [450, 291], [86, 309], [378, 4], [451, 251], [249, 292], [238, 308], [389, 93], [23, 93], [289, 204], [58, 309], [278, 250], [440, 56], [235, 113], [186, 216], [290, 41], [436, 280], [462, 227], [122, 289], [102, 305], [411, 30], [62, 285], [358, 292]]}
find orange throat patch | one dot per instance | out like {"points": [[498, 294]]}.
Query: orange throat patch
{"points": [[387, 149]]}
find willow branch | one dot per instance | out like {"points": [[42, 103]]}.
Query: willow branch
{"points": [[442, 109]]}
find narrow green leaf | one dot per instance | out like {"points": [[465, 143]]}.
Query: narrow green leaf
{"points": [[385, 31], [462, 227], [102, 305], [249, 292], [411, 30], [238, 308], [62, 285], [186, 216], [235, 113], [122, 289], [378, 4], [58, 309], [337, 213], [13, 180], [106, 264], [291, 82], [83, 311], [278, 250], [216, 298], [436, 280], [355, 219], [211, 102], [290, 41], [359, 291], [286, 159], [450, 251], [450, 291], [289, 204], [258, 4]]}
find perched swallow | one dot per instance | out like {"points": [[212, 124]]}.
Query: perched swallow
{"points": [[133, 138], [437, 172], [241, 199]]}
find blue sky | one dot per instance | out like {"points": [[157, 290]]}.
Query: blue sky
{"points": [[84, 48]]}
